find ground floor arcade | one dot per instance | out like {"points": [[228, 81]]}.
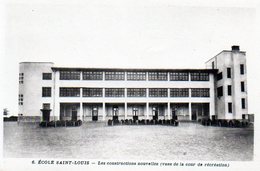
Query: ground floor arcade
{"points": [[104, 111]]}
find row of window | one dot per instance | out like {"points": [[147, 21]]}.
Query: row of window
{"points": [[20, 99], [21, 76], [242, 72], [243, 105], [229, 89], [131, 92], [132, 76]]}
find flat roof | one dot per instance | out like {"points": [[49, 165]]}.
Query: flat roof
{"points": [[132, 69], [222, 52]]}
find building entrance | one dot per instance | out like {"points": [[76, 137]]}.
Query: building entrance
{"points": [[155, 112], [74, 113], [115, 111], [95, 113]]}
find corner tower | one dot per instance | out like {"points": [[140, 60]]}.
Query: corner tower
{"points": [[231, 83]]}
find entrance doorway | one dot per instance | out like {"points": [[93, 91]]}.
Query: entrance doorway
{"points": [[74, 113], [155, 112], [115, 111], [94, 113]]}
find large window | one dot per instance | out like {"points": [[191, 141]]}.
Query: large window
{"points": [[243, 103], [114, 92], [158, 76], [136, 76], [158, 92], [228, 72], [242, 86], [69, 92], [21, 76], [136, 92], [219, 76], [179, 76], [46, 91], [92, 75], [92, 92], [115, 75], [69, 75], [220, 91], [242, 69], [229, 88], [200, 92], [199, 76], [179, 92], [46, 76], [229, 107]]}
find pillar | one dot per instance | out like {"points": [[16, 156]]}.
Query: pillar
{"points": [[190, 110], [125, 110], [169, 110], [104, 110], [81, 111], [147, 110]]}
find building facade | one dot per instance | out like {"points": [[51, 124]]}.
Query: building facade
{"points": [[97, 94]]}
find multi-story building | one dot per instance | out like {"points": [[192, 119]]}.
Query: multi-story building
{"points": [[92, 94]]}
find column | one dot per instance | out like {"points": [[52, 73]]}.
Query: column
{"points": [[190, 110], [125, 110], [147, 110], [104, 111], [81, 111], [169, 110]]}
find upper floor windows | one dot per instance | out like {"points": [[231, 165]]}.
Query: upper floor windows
{"points": [[92, 92], [179, 92], [136, 92], [219, 76], [158, 92], [20, 100], [92, 75], [136, 76], [243, 103], [200, 92], [158, 76], [69, 75], [21, 76], [115, 92], [46, 91], [229, 90], [46, 76], [114, 75], [242, 86], [179, 76], [220, 91], [199, 76], [230, 108], [69, 92], [228, 72], [242, 69]]}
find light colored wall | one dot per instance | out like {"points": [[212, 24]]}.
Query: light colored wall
{"points": [[32, 87]]}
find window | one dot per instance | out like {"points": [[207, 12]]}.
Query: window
{"points": [[229, 90], [92, 92], [242, 69], [179, 92], [220, 91], [114, 75], [46, 76], [219, 76], [200, 92], [136, 92], [242, 86], [92, 75], [20, 100], [115, 92], [199, 76], [69, 75], [243, 103], [158, 92], [135, 76], [69, 92], [228, 72], [213, 65], [179, 76], [229, 107], [46, 106], [157, 76], [21, 76], [46, 91]]}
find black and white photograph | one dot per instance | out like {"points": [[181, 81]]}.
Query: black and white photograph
{"points": [[129, 85]]}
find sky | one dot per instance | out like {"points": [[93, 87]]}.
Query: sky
{"points": [[132, 34]]}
